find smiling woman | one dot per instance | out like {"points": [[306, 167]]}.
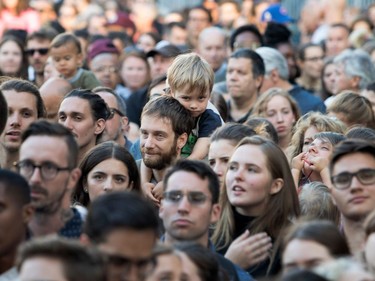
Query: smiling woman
{"points": [[105, 168]]}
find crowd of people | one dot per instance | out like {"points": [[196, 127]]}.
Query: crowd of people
{"points": [[187, 141]]}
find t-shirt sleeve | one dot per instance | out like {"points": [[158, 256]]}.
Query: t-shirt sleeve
{"points": [[208, 123]]}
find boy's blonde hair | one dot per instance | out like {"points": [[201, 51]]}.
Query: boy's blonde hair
{"points": [[190, 73]]}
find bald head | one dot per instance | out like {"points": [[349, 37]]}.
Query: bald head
{"points": [[53, 92], [212, 46]]}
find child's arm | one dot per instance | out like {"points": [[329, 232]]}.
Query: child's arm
{"points": [[200, 149], [147, 187]]}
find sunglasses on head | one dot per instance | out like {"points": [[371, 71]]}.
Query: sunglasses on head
{"points": [[42, 51]]}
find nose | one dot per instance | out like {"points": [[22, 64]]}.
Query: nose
{"points": [[149, 142], [108, 186], [238, 175], [218, 169], [68, 124], [184, 204], [280, 117], [355, 183], [193, 105], [15, 120], [36, 176], [312, 148]]}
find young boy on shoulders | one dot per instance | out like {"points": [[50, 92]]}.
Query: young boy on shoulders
{"points": [[66, 53], [190, 79]]}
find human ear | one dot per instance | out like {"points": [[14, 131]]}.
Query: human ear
{"points": [[215, 213], [181, 141], [100, 126], [277, 185]]}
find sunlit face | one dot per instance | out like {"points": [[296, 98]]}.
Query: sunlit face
{"points": [[279, 112], [168, 267], [22, 111], [182, 220], [248, 180], [75, 114], [309, 137], [38, 59], [218, 157], [46, 195], [107, 176], [358, 200], [304, 254], [196, 102], [318, 149], [66, 59], [213, 49], [159, 65], [337, 41], [240, 79], [134, 73], [158, 142], [10, 58], [104, 67]]}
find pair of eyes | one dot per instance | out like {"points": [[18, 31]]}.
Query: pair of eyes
{"points": [[75, 118], [118, 178], [24, 113]]}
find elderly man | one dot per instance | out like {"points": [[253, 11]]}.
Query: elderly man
{"points": [[354, 71]]}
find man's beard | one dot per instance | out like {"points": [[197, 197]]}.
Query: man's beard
{"points": [[162, 160], [48, 206]]}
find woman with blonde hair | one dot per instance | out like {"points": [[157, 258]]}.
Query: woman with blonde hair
{"points": [[304, 131], [278, 107], [258, 201], [352, 109]]}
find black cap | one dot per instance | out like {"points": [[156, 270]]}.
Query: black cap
{"points": [[167, 51]]}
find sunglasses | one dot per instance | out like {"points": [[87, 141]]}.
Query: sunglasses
{"points": [[42, 51]]}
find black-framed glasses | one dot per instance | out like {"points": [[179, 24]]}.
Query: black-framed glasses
{"points": [[113, 111], [48, 170], [194, 197], [343, 180], [41, 51]]}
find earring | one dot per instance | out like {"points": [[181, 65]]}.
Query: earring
{"points": [[85, 190]]}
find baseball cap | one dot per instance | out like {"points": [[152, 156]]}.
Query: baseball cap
{"points": [[165, 50], [101, 46], [276, 13], [121, 20]]}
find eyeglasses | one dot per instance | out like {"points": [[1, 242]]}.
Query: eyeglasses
{"points": [[194, 197], [48, 170], [101, 69], [113, 111], [41, 51], [342, 181], [126, 263]]}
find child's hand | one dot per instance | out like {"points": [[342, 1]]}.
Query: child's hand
{"points": [[147, 191], [248, 250], [157, 191]]}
